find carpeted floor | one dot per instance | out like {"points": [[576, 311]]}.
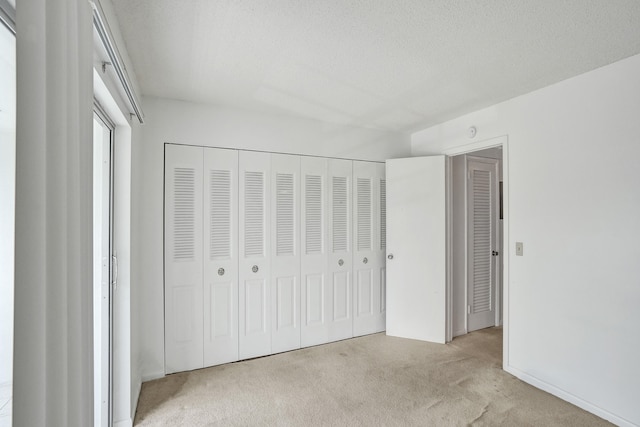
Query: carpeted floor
{"points": [[368, 381]]}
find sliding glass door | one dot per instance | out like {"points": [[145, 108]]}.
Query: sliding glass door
{"points": [[103, 265]]}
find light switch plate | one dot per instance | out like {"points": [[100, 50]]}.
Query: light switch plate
{"points": [[519, 249]]}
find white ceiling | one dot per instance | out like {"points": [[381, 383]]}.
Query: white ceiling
{"points": [[386, 64]]}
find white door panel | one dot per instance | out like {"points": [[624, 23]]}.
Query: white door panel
{"points": [[368, 258], [416, 239], [220, 302], [314, 307], [183, 258], [285, 252], [254, 263], [340, 251], [482, 203]]}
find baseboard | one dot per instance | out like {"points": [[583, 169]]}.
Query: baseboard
{"points": [[460, 332], [152, 376], [569, 397], [124, 423]]}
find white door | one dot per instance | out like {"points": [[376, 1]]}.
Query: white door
{"points": [[285, 252], [368, 258], [314, 293], [416, 248], [482, 225], [254, 265], [220, 303], [340, 251], [183, 258]]}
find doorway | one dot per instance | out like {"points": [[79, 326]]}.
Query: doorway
{"points": [[103, 265], [476, 240]]}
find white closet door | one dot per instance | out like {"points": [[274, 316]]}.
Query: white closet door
{"points": [[315, 301], [183, 258], [254, 265], [285, 252], [220, 303], [482, 224], [368, 259], [340, 255]]}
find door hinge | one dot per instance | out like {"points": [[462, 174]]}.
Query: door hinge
{"points": [[468, 309]]}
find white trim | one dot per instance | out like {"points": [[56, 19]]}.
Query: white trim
{"points": [[124, 423], [477, 146], [449, 248], [569, 397]]}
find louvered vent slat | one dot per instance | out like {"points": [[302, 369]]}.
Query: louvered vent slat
{"points": [[253, 214], [284, 214], [383, 214], [481, 241], [313, 214], [220, 214], [364, 214], [340, 214], [183, 214]]}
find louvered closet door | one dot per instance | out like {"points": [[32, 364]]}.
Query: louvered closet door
{"points": [[183, 258], [315, 295], [368, 257], [220, 303], [254, 265], [285, 252], [482, 188], [340, 255]]}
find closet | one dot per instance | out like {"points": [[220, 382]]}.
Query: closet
{"points": [[266, 253]]}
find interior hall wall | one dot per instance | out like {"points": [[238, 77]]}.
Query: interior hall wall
{"points": [[216, 126], [573, 200]]}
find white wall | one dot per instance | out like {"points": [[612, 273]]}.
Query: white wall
{"points": [[458, 245], [188, 123], [572, 173]]}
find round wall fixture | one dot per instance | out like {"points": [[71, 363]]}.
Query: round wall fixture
{"points": [[472, 131]]}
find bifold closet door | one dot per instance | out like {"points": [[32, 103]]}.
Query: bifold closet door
{"points": [[340, 255], [285, 252], [183, 258], [254, 263], [315, 295], [220, 302], [368, 259]]}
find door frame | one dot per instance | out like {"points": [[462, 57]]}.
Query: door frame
{"points": [[499, 141]]}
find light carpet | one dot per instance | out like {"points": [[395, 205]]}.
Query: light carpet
{"points": [[367, 381]]}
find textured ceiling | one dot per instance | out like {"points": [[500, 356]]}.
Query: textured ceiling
{"points": [[387, 64]]}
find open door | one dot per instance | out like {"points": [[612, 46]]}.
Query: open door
{"points": [[416, 248]]}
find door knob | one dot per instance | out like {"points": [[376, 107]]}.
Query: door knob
{"points": [[340, 262], [365, 260], [254, 268], [221, 271], [390, 256]]}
